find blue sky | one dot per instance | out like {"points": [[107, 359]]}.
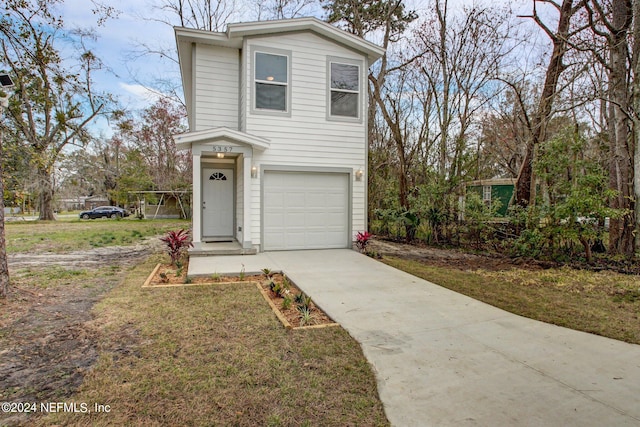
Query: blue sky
{"points": [[116, 41]]}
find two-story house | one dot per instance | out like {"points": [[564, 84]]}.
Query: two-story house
{"points": [[278, 130]]}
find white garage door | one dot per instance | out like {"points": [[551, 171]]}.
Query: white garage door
{"points": [[305, 210]]}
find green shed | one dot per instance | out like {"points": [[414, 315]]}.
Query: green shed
{"points": [[494, 189]]}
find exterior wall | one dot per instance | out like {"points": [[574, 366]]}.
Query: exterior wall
{"points": [[239, 231], [501, 192], [94, 202], [169, 208], [306, 138], [217, 87]]}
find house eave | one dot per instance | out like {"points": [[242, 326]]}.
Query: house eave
{"points": [[185, 141], [493, 181], [260, 28]]}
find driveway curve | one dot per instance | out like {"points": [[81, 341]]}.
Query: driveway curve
{"points": [[443, 359]]}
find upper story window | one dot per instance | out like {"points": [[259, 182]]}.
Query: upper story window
{"points": [[345, 89], [271, 81]]}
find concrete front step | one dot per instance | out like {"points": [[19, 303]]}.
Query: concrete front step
{"points": [[220, 248]]}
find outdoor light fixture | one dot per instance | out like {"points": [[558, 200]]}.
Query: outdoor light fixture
{"points": [[5, 81], [254, 172], [359, 175], [220, 155]]}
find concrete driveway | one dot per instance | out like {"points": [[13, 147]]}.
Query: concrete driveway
{"points": [[443, 359]]}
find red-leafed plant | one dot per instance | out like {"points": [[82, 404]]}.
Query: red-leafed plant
{"points": [[362, 240], [177, 242]]}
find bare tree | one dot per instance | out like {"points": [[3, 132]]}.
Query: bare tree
{"points": [[526, 183], [610, 23], [462, 56], [4, 266], [210, 15], [53, 103], [635, 87], [283, 9]]}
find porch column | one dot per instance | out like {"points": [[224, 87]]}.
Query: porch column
{"points": [[197, 201], [246, 194]]}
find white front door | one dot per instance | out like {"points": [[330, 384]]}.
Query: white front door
{"points": [[217, 203]]}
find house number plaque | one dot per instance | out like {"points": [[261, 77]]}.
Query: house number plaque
{"points": [[221, 149]]}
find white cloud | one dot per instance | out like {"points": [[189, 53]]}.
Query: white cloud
{"points": [[140, 94]]}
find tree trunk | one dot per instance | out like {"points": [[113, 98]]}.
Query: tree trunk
{"points": [[525, 185], [45, 199], [4, 266], [621, 236], [635, 85]]}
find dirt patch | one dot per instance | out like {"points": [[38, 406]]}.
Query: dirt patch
{"points": [[285, 296], [109, 255], [47, 334], [447, 257], [465, 261]]}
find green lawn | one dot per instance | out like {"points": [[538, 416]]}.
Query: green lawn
{"points": [[200, 355], [75, 234], [603, 303]]}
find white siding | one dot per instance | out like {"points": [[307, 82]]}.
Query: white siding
{"points": [[217, 87], [307, 139], [239, 199]]}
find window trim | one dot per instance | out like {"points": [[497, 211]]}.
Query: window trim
{"points": [[253, 81], [360, 92], [487, 194]]}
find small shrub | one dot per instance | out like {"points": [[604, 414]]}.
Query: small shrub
{"points": [[268, 272], [286, 302], [187, 280], [362, 240], [276, 288], [216, 277], [303, 301], [164, 278], [286, 284], [176, 243], [242, 273], [305, 316], [373, 254], [179, 272]]}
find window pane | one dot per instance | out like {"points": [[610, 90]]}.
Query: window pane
{"points": [[344, 76], [272, 97], [272, 68], [344, 104]]}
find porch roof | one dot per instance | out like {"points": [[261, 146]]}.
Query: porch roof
{"points": [[184, 141]]}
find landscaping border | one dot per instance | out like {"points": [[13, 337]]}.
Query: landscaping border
{"points": [[263, 292]]}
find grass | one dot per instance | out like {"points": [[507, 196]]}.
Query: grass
{"points": [[69, 235], [202, 355], [217, 355], [603, 303]]}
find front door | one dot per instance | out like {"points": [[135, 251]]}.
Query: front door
{"points": [[217, 203]]}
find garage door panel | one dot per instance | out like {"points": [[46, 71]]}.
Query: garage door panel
{"points": [[305, 210], [294, 219], [273, 220], [293, 199]]}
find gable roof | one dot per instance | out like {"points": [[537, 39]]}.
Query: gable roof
{"points": [[184, 140], [236, 33]]}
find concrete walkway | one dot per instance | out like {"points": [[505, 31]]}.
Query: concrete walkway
{"points": [[443, 359]]}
